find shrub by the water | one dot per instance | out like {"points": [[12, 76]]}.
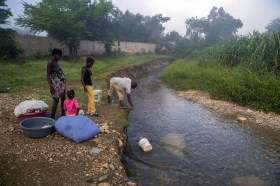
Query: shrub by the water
{"points": [[239, 84]]}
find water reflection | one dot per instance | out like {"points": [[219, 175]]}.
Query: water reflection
{"points": [[193, 145]]}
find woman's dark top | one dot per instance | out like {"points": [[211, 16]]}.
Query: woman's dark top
{"points": [[87, 77]]}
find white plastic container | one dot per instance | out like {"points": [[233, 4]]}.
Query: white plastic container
{"points": [[145, 145], [97, 95], [81, 112]]}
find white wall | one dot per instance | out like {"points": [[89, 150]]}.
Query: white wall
{"points": [[33, 45]]}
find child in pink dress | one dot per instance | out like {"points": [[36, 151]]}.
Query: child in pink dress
{"points": [[71, 105]]}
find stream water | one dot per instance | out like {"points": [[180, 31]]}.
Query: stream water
{"points": [[193, 145]]}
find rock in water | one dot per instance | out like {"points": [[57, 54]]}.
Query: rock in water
{"points": [[249, 181], [174, 143]]}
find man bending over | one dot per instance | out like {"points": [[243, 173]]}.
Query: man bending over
{"points": [[121, 86]]}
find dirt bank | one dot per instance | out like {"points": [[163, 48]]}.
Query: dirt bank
{"points": [[55, 160], [255, 117], [138, 70]]}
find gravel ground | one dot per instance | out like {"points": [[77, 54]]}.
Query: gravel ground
{"points": [[254, 117], [55, 160]]}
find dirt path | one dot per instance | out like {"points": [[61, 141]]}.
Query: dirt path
{"points": [[268, 119], [55, 160]]}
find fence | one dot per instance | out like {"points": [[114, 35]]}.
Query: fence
{"points": [[33, 45]]}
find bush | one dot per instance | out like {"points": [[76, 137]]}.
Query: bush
{"points": [[8, 48]]}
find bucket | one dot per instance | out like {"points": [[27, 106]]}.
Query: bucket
{"points": [[145, 145], [37, 127], [31, 115], [97, 95]]}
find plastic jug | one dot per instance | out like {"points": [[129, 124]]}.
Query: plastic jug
{"points": [[145, 145], [97, 95]]}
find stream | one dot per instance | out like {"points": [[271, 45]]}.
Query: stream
{"points": [[194, 145]]}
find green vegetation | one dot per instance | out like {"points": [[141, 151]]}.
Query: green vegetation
{"points": [[261, 91], [71, 21], [219, 26], [242, 70], [273, 27], [123, 119], [29, 78], [8, 48], [259, 52]]}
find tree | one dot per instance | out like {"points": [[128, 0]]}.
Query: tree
{"points": [[130, 27], [194, 28], [8, 48], [139, 28], [4, 12], [98, 19], [218, 27], [173, 36], [153, 27], [273, 27], [99, 22], [183, 46], [63, 20]]}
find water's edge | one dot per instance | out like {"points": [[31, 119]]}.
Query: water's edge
{"points": [[133, 73], [136, 73]]}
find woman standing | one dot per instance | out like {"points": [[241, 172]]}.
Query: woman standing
{"points": [[57, 81], [87, 84]]}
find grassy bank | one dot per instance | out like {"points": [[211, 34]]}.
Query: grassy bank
{"points": [[28, 79], [240, 85]]}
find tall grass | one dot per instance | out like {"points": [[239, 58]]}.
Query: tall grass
{"points": [[239, 84], [259, 52], [241, 70]]}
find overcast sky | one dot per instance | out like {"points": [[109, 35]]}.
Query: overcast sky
{"points": [[254, 14]]}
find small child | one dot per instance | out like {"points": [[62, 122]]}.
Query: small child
{"points": [[71, 105]]}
